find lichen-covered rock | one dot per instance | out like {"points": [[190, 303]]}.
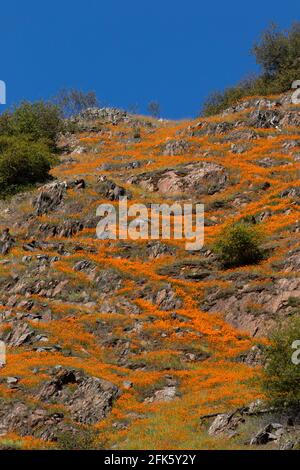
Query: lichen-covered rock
{"points": [[176, 147], [192, 179], [49, 198], [89, 400]]}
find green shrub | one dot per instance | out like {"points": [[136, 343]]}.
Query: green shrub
{"points": [[38, 121], [239, 244], [22, 163], [281, 379], [29, 134], [218, 101], [83, 439]]}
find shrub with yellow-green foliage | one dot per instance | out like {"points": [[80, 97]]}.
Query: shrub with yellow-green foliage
{"points": [[281, 380], [29, 135], [239, 244], [38, 121], [22, 163]]}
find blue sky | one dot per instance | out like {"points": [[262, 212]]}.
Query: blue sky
{"points": [[133, 51]]}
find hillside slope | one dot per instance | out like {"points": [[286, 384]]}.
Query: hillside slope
{"points": [[127, 344]]}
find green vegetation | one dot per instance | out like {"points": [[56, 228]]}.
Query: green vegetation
{"points": [[38, 121], [10, 444], [28, 141], [277, 53], [23, 162], [83, 439], [239, 244], [281, 381]]}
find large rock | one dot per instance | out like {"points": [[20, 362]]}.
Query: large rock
{"points": [[166, 394], [194, 178], [293, 192], [93, 400], [108, 115], [49, 198], [291, 119], [89, 399], [265, 119], [20, 334], [176, 147], [6, 242], [226, 423], [110, 190], [20, 418], [271, 432], [66, 229], [254, 308], [165, 298], [258, 103]]}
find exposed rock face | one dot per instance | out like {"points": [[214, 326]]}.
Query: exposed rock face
{"points": [[238, 148], [267, 114], [165, 298], [20, 334], [176, 147], [254, 103], [67, 229], [241, 135], [290, 119], [291, 192], [91, 400], [119, 304], [291, 144], [271, 432], [88, 401], [254, 307], [49, 198], [126, 165], [19, 417], [265, 119], [109, 115], [6, 242], [268, 162], [166, 394], [156, 249], [198, 178], [280, 428], [210, 128], [110, 190], [254, 357], [108, 281], [225, 423], [292, 261]]}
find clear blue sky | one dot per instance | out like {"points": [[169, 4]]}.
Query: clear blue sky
{"points": [[133, 51]]}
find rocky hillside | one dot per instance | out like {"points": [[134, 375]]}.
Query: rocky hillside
{"points": [[142, 344]]}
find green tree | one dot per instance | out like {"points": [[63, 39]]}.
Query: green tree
{"points": [[271, 52]]}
